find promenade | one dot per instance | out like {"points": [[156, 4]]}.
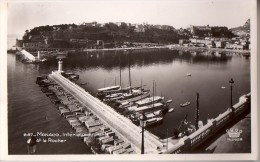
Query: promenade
{"points": [[241, 144], [201, 49]]}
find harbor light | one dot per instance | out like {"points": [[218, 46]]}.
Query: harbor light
{"points": [[39, 55], [142, 124], [60, 62], [231, 82]]}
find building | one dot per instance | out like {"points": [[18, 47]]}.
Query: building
{"points": [[238, 46], [33, 45], [94, 23], [201, 41], [193, 29], [220, 44], [118, 23], [183, 41], [229, 46], [19, 43], [100, 43], [139, 28]]}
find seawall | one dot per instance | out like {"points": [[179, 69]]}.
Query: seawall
{"points": [[188, 143]]}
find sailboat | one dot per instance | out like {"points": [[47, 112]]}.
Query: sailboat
{"points": [[128, 94]]}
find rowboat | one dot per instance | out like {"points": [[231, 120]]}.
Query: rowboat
{"points": [[170, 109], [185, 104]]}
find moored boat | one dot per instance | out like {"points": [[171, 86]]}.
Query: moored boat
{"points": [[170, 109], [154, 122], [149, 108], [150, 100], [185, 104], [100, 90], [134, 99]]}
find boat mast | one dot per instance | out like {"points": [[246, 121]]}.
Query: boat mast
{"points": [[129, 73], [155, 88], [153, 93], [197, 113], [167, 140], [141, 90], [120, 69]]}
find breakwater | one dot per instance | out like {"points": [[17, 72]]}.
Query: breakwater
{"points": [[28, 55], [121, 125], [189, 143]]}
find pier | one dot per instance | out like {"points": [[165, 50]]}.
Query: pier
{"points": [[28, 55], [121, 125]]}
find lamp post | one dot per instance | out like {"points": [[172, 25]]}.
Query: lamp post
{"points": [[31, 144], [231, 82], [142, 124]]}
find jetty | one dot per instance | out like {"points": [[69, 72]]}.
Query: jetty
{"points": [[121, 125], [30, 58], [28, 55]]}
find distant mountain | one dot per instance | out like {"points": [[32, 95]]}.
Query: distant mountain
{"points": [[247, 24], [242, 30]]}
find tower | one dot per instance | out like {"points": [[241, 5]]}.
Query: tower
{"points": [[39, 55], [60, 62]]}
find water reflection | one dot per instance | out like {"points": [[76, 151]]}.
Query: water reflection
{"points": [[111, 59]]}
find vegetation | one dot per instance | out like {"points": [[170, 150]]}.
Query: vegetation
{"points": [[57, 35], [217, 32], [87, 35]]}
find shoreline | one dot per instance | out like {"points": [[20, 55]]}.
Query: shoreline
{"points": [[170, 47], [201, 49]]}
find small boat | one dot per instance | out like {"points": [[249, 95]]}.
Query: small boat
{"points": [[223, 87], [189, 74], [169, 101], [185, 104], [74, 77], [150, 100], [83, 83], [108, 88], [170, 110], [113, 95], [153, 122], [149, 108], [134, 99], [43, 60]]}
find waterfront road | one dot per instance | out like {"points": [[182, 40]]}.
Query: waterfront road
{"points": [[239, 143]]}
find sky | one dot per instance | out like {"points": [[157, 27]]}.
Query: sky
{"points": [[24, 15]]}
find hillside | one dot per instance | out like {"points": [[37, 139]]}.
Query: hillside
{"points": [[66, 35], [242, 30]]}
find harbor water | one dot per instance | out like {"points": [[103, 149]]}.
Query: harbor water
{"points": [[30, 111]]}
